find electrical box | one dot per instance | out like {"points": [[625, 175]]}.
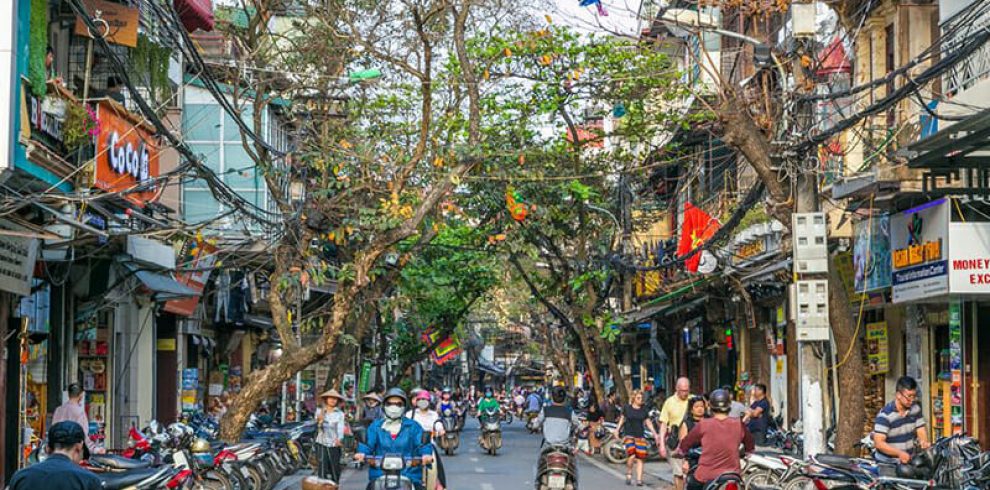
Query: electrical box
{"points": [[809, 309], [810, 236], [803, 16]]}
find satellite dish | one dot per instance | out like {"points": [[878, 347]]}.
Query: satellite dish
{"points": [[708, 262]]}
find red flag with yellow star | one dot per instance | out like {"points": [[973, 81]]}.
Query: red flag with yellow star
{"points": [[697, 227]]}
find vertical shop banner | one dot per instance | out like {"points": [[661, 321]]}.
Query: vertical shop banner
{"points": [[969, 258], [955, 364], [871, 253], [918, 242], [364, 383], [877, 348], [126, 155], [196, 265]]}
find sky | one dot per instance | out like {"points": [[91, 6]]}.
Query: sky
{"points": [[621, 17]]}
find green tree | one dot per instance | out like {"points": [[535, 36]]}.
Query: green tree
{"points": [[558, 179]]}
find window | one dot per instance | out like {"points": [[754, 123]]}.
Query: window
{"points": [[198, 205], [201, 122]]}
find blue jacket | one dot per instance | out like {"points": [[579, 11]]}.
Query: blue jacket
{"points": [[55, 473], [408, 442]]}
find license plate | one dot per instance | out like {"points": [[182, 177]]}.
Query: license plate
{"points": [[556, 481]]}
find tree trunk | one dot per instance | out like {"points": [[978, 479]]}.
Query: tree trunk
{"points": [[259, 385], [590, 359], [605, 349], [850, 371]]}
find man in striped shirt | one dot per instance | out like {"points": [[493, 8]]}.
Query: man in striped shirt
{"points": [[899, 426]]}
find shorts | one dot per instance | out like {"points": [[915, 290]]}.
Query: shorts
{"points": [[676, 466], [636, 447]]}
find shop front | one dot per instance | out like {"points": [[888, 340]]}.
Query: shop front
{"points": [[941, 272]]}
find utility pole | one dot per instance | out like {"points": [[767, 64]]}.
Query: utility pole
{"points": [[810, 365]]}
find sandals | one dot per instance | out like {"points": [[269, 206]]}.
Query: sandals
{"points": [[639, 483], [628, 480]]}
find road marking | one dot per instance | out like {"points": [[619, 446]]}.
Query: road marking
{"points": [[603, 467], [474, 459], [478, 469], [487, 486]]}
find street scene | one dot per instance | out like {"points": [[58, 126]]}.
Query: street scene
{"points": [[482, 244]]}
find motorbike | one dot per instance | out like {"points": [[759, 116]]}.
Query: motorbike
{"points": [[452, 437], [556, 469], [725, 481], [491, 431], [506, 413], [614, 448], [392, 466]]}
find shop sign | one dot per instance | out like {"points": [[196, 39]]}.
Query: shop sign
{"points": [[47, 118], [877, 348], [17, 255], [198, 262], [871, 253], [126, 155], [119, 21], [165, 345], [969, 258], [918, 239], [749, 250]]}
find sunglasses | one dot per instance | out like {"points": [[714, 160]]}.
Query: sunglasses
{"points": [[395, 404]]}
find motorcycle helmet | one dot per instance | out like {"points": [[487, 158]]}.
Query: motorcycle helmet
{"points": [[422, 399], [393, 412], [559, 394], [200, 445], [396, 393], [720, 401]]}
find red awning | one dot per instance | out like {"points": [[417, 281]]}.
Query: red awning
{"points": [[195, 14]]}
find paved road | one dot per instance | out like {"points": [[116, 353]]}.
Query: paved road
{"points": [[513, 468]]}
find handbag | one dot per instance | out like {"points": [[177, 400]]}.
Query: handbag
{"points": [[673, 437]]}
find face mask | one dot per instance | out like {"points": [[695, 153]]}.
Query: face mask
{"points": [[393, 412], [422, 403]]}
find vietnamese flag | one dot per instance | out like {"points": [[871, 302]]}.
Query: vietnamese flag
{"points": [[697, 227]]}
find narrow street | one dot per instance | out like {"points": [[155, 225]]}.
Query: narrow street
{"points": [[471, 469]]}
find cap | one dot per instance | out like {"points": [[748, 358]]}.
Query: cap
{"points": [[423, 395]]}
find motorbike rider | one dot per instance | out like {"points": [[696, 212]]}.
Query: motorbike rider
{"points": [[489, 402], [395, 434], [446, 401], [558, 420], [533, 403], [719, 437], [429, 420]]}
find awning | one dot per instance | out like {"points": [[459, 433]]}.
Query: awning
{"points": [[162, 287], [965, 144], [660, 304], [486, 366], [195, 14]]}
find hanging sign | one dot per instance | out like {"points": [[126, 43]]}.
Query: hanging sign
{"points": [[871, 253], [126, 155], [877, 352], [918, 239], [17, 256], [119, 22], [197, 263]]}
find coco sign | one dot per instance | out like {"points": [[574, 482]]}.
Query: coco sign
{"points": [[126, 155]]}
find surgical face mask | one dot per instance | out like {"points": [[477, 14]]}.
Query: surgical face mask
{"points": [[422, 403], [393, 412]]}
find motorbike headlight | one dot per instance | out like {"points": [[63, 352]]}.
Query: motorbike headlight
{"points": [[392, 463]]}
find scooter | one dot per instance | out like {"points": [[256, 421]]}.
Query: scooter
{"points": [[531, 424], [556, 469], [491, 431], [615, 450], [392, 466], [451, 438]]}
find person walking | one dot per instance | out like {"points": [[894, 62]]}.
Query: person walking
{"points": [[595, 418], [632, 424], [74, 411], [671, 416], [61, 470], [330, 429]]}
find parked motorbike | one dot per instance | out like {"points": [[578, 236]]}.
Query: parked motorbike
{"points": [[392, 466], [556, 469], [615, 450], [491, 431]]}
